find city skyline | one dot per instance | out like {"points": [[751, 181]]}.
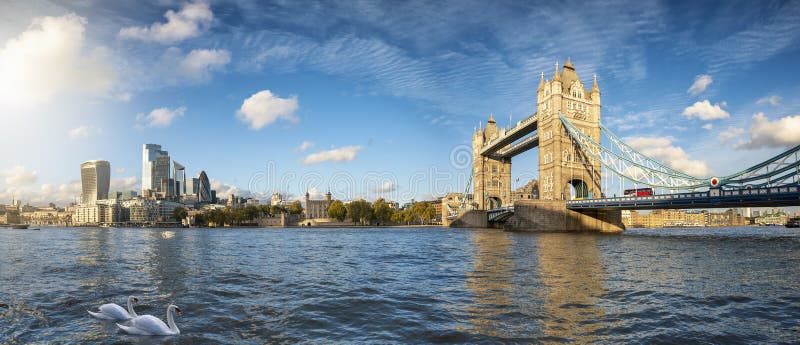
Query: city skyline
{"points": [[245, 93]]}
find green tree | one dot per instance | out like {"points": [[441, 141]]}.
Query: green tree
{"points": [[399, 217], [251, 212], [360, 211], [179, 213], [383, 212], [277, 209], [337, 210], [423, 211], [295, 207]]}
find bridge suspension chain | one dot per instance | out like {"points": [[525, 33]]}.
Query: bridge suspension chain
{"points": [[631, 164], [780, 170]]}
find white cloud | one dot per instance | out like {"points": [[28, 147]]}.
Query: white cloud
{"points": [[119, 170], [264, 108], [161, 117], [701, 83], [728, 134], [224, 190], [342, 154], [772, 100], [19, 175], [708, 126], [83, 132], [661, 148], [175, 67], [387, 186], [61, 195], [47, 59], [200, 62], [782, 132], [304, 146], [704, 110], [193, 18], [124, 184]]}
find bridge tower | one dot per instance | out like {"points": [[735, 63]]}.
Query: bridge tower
{"points": [[561, 161], [491, 176]]}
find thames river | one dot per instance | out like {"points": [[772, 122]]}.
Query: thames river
{"points": [[397, 285]]}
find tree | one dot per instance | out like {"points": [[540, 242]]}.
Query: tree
{"points": [[179, 213], [251, 212], [295, 207], [383, 212], [423, 211], [360, 211], [276, 210], [337, 210]]}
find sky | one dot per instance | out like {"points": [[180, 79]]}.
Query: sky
{"points": [[376, 98]]}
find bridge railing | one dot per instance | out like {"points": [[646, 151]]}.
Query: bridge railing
{"points": [[705, 194], [519, 126]]}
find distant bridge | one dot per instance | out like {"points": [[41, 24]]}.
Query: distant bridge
{"points": [[577, 154]]}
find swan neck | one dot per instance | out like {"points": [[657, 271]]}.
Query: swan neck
{"points": [[171, 321], [130, 307]]}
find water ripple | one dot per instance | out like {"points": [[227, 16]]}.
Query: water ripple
{"points": [[245, 286]]}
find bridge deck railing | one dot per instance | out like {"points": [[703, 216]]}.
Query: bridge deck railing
{"points": [[747, 194]]}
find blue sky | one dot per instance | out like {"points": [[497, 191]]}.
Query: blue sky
{"points": [[384, 95]]}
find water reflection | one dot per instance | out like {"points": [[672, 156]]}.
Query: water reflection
{"points": [[573, 277], [489, 282]]}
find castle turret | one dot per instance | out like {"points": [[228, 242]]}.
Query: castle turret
{"points": [[595, 91]]}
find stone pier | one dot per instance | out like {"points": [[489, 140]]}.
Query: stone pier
{"points": [[553, 216]]}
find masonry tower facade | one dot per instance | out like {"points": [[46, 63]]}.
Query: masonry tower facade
{"points": [[491, 175], [562, 164]]}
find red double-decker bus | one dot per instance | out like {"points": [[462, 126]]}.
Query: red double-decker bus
{"points": [[639, 192]]}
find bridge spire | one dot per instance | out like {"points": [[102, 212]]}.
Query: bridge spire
{"points": [[594, 85], [541, 82], [555, 74]]}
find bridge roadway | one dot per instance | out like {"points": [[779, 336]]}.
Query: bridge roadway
{"points": [[521, 129], [715, 198]]}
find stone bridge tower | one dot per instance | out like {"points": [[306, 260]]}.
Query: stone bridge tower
{"points": [[561, 161], [491, 176]]}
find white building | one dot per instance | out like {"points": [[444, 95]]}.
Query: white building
{"points": [[95, 180]]}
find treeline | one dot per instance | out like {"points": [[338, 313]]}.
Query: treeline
{"points": [[240, 215], [359, 212], [363, 212]]}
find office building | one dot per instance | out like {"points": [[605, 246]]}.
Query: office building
{"points": [[95, 180], [192, 186], [179, 174], [204, 189], [150, 153]]}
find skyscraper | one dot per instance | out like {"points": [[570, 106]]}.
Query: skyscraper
{"points": [[151, 152], [95, 180], [179, 174], [192, 186], [204, 190], [161, 173]]}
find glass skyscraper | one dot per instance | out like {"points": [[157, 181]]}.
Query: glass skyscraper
{"points": [[95, 181], [179, 174], [204, 190], [150, 153]]}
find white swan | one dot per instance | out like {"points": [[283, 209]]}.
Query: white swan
{"points": [[111, 311], [151, 325]]}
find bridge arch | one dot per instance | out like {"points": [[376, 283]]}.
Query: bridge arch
{"points": [[576, 189], [495, 202]]}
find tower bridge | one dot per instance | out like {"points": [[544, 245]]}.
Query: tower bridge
{"points": [[573, 166]]}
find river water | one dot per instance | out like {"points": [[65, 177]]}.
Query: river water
{"points": [[397, 285]]}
